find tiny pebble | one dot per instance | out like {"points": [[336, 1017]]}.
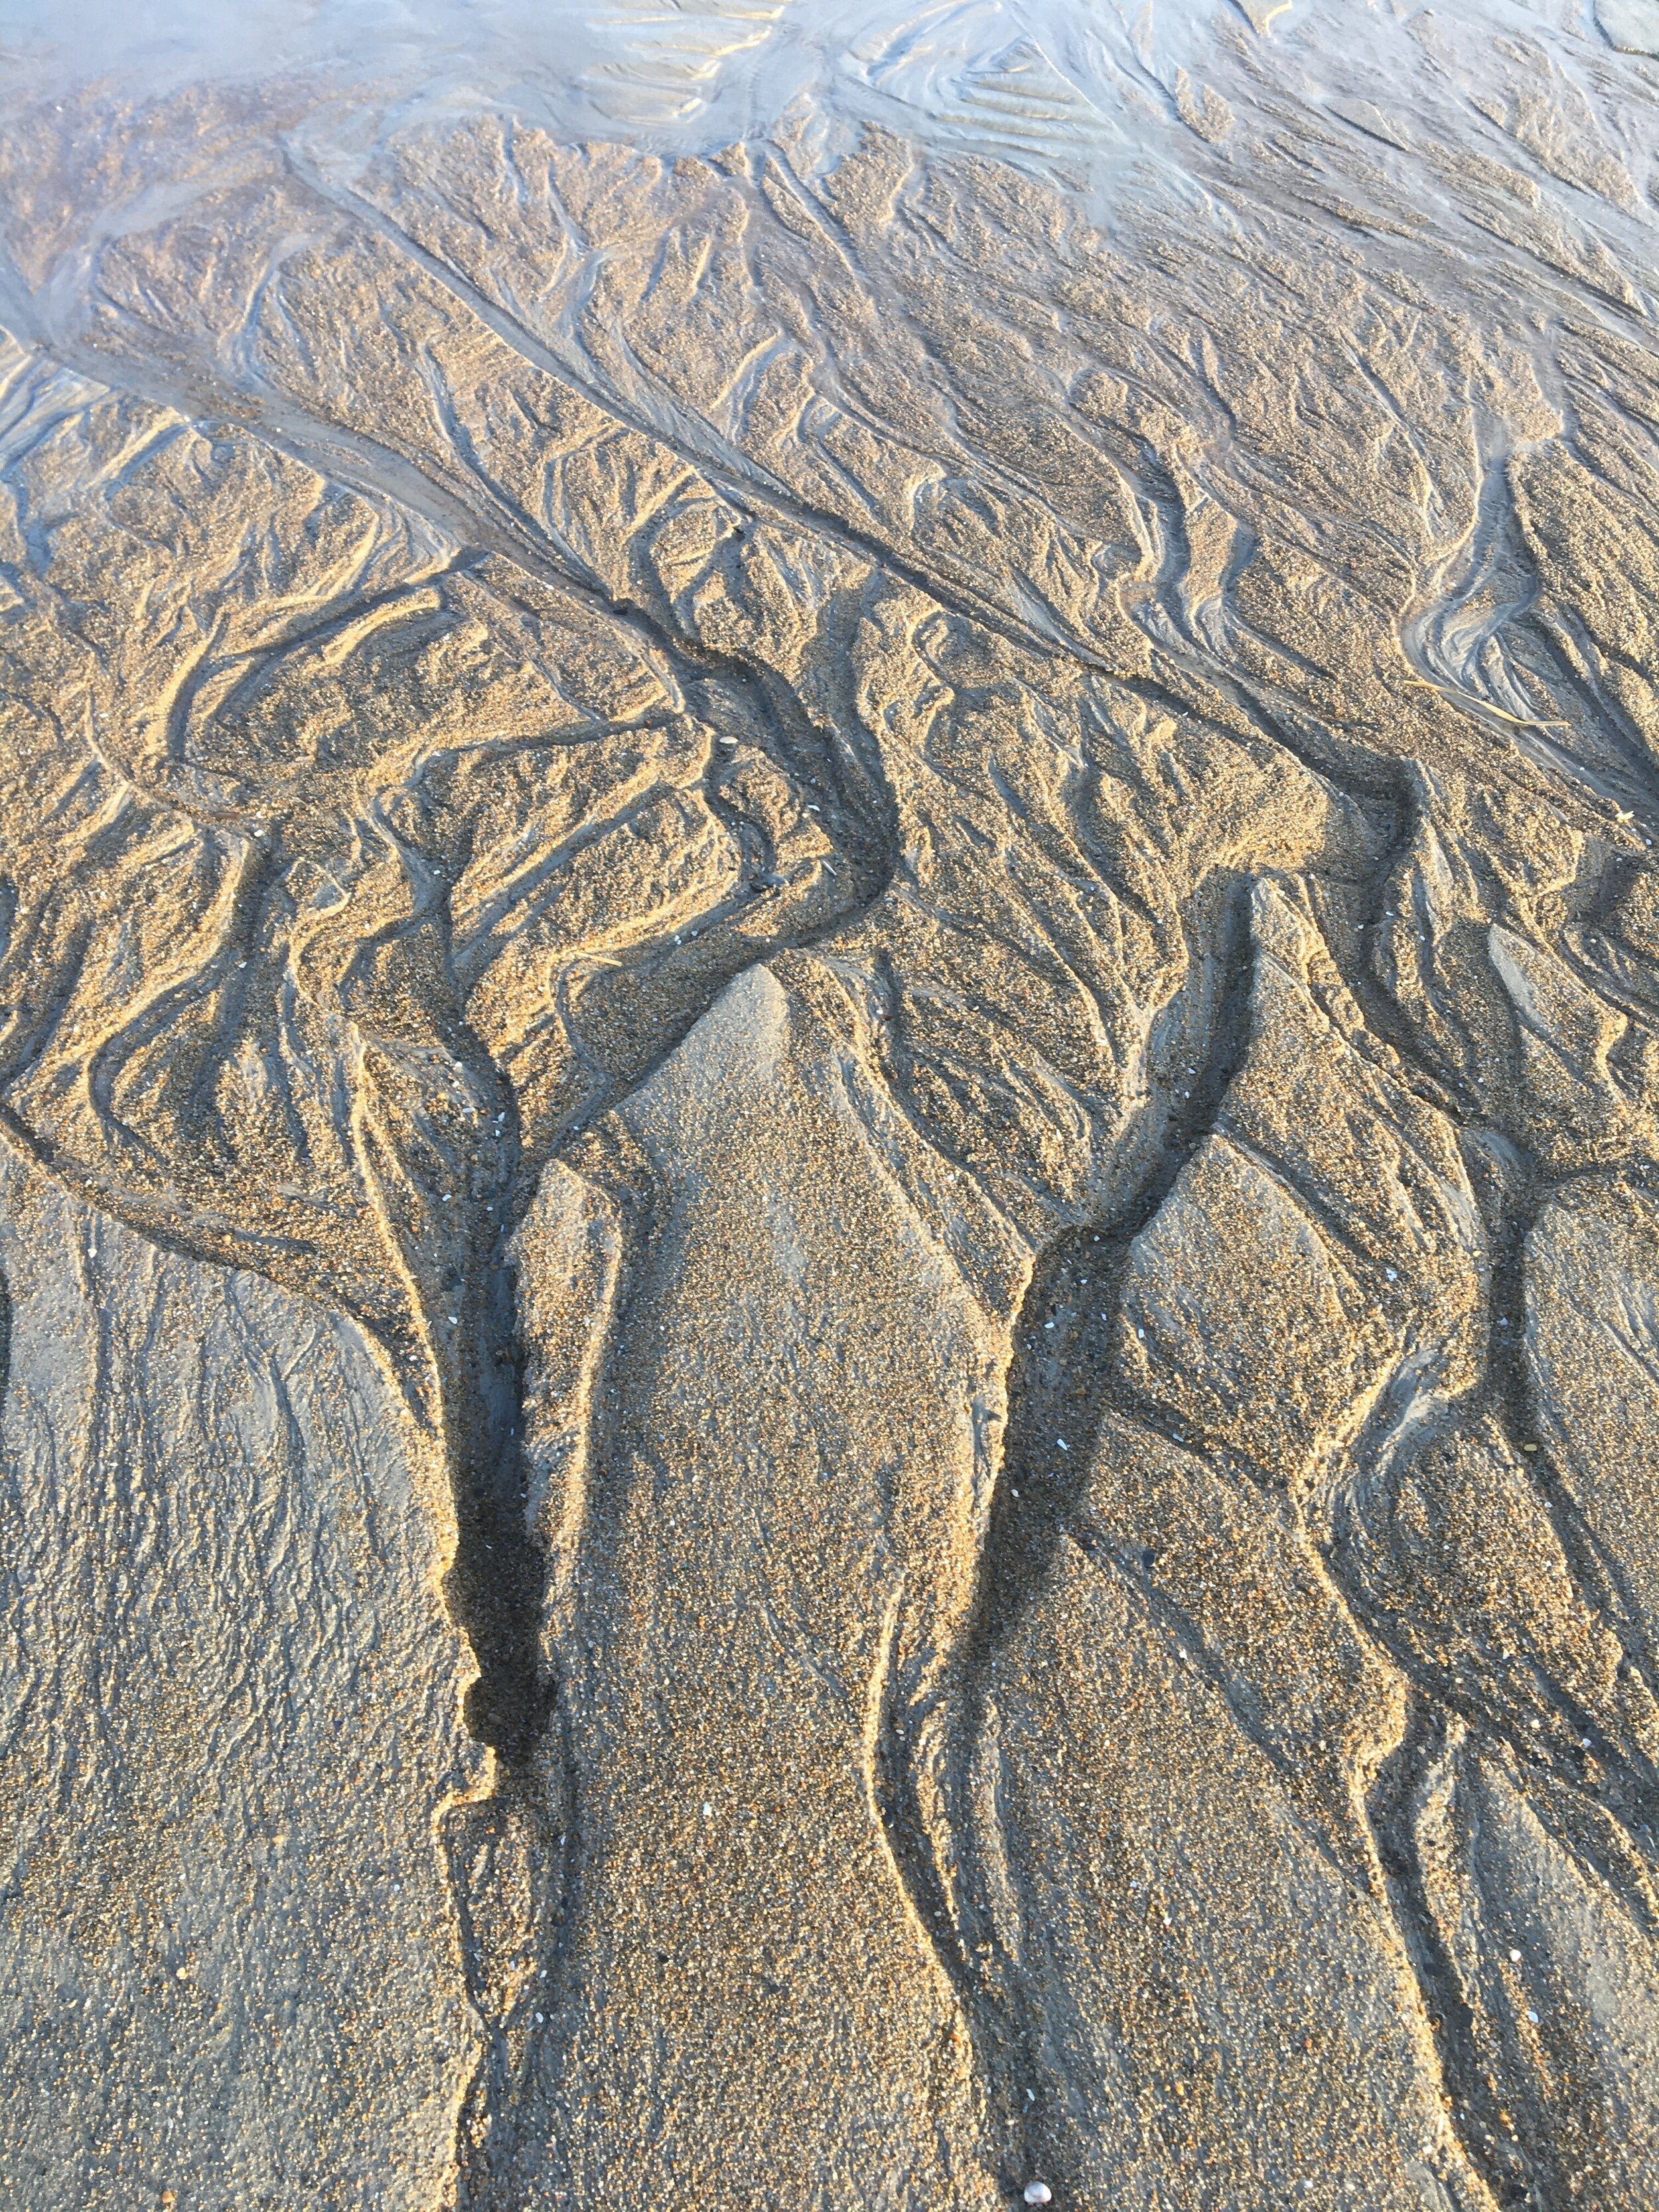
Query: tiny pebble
{"points": [[1515, 1957], [1038, 2192], [1533, 2017]]}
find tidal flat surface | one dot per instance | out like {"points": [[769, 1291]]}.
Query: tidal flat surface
{"points": [[830, 1106]]}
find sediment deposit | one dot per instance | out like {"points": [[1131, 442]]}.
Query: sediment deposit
{"points": [[829, 1059]]}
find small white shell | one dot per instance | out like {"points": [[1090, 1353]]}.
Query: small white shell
{"points": [[1038, 2192]]}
